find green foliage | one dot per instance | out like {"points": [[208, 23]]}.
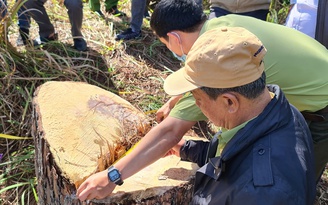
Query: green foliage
{"points": [[278, 11], [21, 72], [17, 176]]}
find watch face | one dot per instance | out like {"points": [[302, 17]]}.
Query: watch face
{"points": [[113, 175]]}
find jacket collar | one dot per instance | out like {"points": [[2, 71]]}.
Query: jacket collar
{"points": [[276, 114]]}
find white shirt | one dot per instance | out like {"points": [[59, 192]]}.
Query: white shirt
{"points": [[303, 16]]}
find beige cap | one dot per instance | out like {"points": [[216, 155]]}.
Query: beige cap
{"points": [[226, 57]]}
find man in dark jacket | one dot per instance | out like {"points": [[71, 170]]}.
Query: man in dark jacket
{"points": [[264, 154], [299, 69]]}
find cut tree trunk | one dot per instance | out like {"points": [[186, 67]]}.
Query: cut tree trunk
{"points": [[80, 129]]}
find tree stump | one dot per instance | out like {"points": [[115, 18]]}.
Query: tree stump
{"points": [[80, 129]]}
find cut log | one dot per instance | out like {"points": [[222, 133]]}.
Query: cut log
{"points": [[80, 129]]}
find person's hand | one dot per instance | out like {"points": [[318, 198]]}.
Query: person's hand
{"points": [[96, 186], [176, 149], [165, 110]]}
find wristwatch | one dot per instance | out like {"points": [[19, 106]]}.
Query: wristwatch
{"points": [[114, 176]]}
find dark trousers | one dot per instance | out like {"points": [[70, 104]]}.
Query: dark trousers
{"points": [[217, 12], [318, 124], [23, 17], [39, 14], [321, 33], [3, 8]]}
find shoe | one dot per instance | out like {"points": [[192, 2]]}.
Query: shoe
{"points": [[24, 38], [115, 12], [128, 34], [51, 37], [20, 42], [100, 14], [80, 44]]}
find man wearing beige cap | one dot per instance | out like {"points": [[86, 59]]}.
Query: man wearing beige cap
{"points": [[295, 62], [266, 150]]}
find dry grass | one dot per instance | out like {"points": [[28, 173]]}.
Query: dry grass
{"points": [[135, 70]]}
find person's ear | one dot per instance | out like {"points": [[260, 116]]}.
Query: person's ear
{"points": [[231, 102]]}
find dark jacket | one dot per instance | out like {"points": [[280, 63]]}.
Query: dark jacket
{"points": [[321, 33], [269, 161]]}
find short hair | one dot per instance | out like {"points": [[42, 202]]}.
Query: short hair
{"points": [[182, 15], [250, 91]]}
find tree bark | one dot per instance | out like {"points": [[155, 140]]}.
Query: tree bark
{"points": [[80, 129]]}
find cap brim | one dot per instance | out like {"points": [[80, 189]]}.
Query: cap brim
{"points": [[177, 83]]}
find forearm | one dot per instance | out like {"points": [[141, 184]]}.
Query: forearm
{"points": [[154, 145], [145, 153]]}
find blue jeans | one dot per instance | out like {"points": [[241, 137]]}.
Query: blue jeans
{"points": [[137, 12], [23, 17], [3, 8]]}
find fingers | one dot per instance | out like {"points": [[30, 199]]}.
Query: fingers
{"points": [[161, 114], [169, 153], [83, 193], [95, 187], [79, 193], [159, 118], [86, 192]]}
